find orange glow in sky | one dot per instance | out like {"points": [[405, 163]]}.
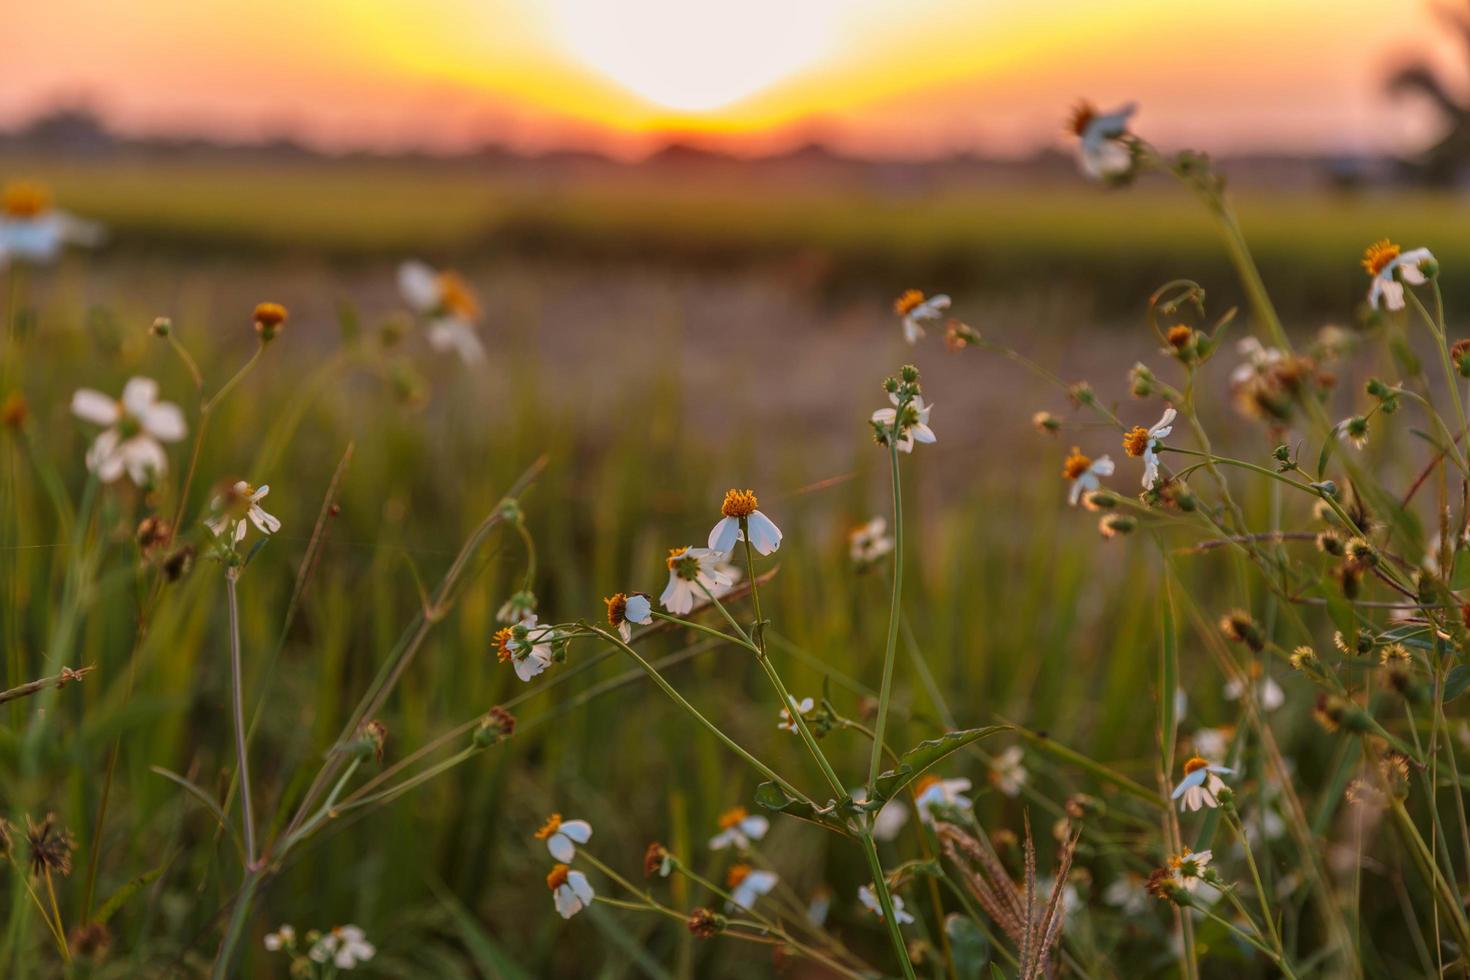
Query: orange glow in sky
{"points": [[878, 76]]}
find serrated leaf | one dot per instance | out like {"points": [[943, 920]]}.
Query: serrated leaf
{"points": [[913, 763], [834, 817], [970, 947], [1456, 681]]}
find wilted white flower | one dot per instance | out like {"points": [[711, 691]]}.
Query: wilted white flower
{"points": [[1189, 867], [738, 828], [1201, 784], [344, 946], [234, 509], [1145, 442], [1101, 148], [765, 536], [563, 836], [1084, 471], [932, 791], [445, 301], [31, 230], [623, 611], [917, 311], [692, 571], [870, 898], [1390, 268], [746, 885], [1006, 772], [912, 428], [870, 542], [570, 890], [135, 425]]}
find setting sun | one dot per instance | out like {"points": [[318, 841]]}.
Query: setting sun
{"points": [[683, 57]]}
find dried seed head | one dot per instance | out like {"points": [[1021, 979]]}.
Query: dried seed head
{"points": [[656, 860], [1237, 625], [1046, 422], [497, 725], [1329, 542], [50, 847], [1305, 659], [705, 923]]}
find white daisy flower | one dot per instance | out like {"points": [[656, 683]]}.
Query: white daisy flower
{"points": [[446, 303], [135, 425], [241, 505], [1084, 471], [1189, 866], [1268, 693], [1146, 442], [31, 230], [932, 791], [624, 611], [563, 836], [868, 897], [891, 818], [915, 424], [282, 938], [570, 890], [1201, 784], [1006, 772], [765, 536], [527, 645], [870, 542], [917, 311], [746, 885], [344, 946], [1391, 268], [692, 571], [802, 707], [1101, 150], [738, 828]]}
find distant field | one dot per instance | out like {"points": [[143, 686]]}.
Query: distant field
{"points": [[1119, 244]]}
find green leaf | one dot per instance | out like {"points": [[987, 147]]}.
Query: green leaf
{"points": [[833, 817], [120, 897], [1456, 681], [913, 763], [970, 947], [996, 973], [1323, 457], [204, 798]]}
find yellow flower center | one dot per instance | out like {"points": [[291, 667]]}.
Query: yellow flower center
{"points": [[1082, 114], [456, 296], [1378, 255], [905, 304], [270, 315], [739, 503], [1076, 464], [731, 817], [557, 877], [552, 825], [1178, 860], [736, 875], [24, 199], [1136, 440], [617, 608], [1179, 335], [1194, 764], [502, 643]]}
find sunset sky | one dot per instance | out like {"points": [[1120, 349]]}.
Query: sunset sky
{"points": [[889, 77]]}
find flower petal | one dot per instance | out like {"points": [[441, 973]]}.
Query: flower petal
{"points": [[93, 406]]}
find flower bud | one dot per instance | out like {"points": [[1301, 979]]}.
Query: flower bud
{"points": [[269, 319], [162, 326]]}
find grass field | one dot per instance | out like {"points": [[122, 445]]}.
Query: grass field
{"points": [[647, 351]]}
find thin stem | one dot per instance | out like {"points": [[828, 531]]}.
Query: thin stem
{"points": [[885, 689], [1250, 861], [237, 697], [885, 902]]}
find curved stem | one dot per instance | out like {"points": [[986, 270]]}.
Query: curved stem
{"points": [[237, 698]]}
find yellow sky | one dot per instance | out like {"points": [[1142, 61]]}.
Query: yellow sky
{"points": [[887, 76]]}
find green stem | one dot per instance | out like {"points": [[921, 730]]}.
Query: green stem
{"points": [[237, 698], [885, 902], [1250, 861], [885, 689]]}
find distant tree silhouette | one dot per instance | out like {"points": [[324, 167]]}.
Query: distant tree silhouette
{"points": [[1444, 161]]}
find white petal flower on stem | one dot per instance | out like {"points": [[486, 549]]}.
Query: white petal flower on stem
{"points": [[869, 543], [527, 645], [448, 306], [746, 885], [624, 611], [869, 898], [931, 791], [1101, 149], [1391, 268], [563, 836], [239, 506], [1084, 472], [1201, 784], [282, 938], [738, 828], [344, 946], [33, 231], [692, 572], [571, 892], [136, 424], [740, 505], [788, 719], [916, 311], [1189, 866], [1007, 774], [1146, 442], [914, 427]]}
